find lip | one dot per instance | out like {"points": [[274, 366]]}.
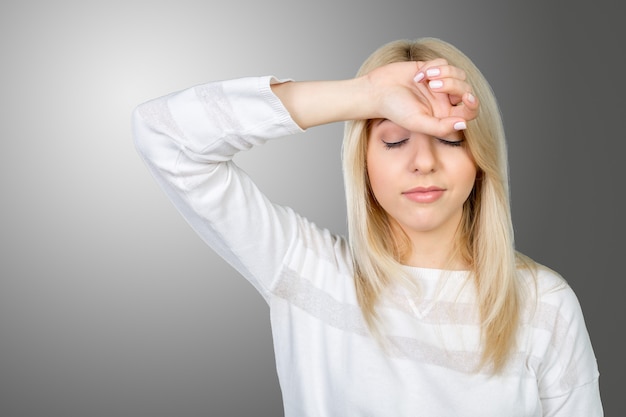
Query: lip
{"points": [[424, 194]]}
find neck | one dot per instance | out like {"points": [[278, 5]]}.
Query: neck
{"points": [[432, 249]]}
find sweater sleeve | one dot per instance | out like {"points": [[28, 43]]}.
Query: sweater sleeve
{"points": [[188, 140], [568, 377]]}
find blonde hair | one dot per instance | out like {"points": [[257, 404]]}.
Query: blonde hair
{"points": [[485, 236]]}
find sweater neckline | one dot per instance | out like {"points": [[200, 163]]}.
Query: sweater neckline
{"points": [[435, 273]]}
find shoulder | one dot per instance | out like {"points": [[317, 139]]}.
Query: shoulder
{"points": [[546, 286], [558, 340], [552, 306]]}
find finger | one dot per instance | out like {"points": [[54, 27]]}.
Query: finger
{"points": [[437, 62], [455, 100], [440, 72], [462, 102], [470, 100], [451, 86], [445, 71], [424, 67], [468, 108]]}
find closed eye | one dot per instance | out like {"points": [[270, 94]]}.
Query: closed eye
{"points": [[447, 142], [391, 145]]}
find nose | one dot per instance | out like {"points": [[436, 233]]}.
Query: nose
{"points": [[424, 158]]}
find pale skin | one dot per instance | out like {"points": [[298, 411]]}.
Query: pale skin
{"points": [[419, 173], [422, 182]]}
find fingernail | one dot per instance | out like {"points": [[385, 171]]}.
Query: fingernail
{"points": [[471, 98], [419, 77], [436, 84], [433, 72], [460, 126]]}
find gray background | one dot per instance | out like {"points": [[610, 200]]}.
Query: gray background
{"points": [[110, 305]]}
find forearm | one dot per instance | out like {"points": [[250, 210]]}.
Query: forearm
{"points": [[391, 92], [314, 103]]}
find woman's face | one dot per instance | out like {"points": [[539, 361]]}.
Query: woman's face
{"points": [[419, 180]]}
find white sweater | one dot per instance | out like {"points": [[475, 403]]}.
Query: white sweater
{"points": [[327, 363]]}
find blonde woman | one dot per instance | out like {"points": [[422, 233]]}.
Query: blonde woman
{"points": [[426, 309]]}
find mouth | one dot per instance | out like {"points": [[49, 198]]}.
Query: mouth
{"points": [[424, 194]]}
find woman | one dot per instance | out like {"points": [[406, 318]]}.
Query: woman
{"points": [[426, 309]]}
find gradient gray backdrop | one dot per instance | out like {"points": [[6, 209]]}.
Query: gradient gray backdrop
{"points": [[110, 305]]}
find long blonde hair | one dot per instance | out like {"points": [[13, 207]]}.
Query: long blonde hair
{"points": [[485, 238]]}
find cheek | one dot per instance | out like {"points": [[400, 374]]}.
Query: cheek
{"points": [[467, 175], [464, 167], [373, 179], [378, 176], [377, 180]]}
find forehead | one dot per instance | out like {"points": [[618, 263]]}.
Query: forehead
{"points": [[386, 126]]}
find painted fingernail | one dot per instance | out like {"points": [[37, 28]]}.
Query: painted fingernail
{"points": [[471, 98], [435, 84], [419, 77], [433, 72], [460, 126]]}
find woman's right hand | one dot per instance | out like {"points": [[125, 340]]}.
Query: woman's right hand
{"points": [[428, 97]]}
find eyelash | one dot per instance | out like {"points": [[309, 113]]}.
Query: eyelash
{"points": [[391, 145], [453, 143]]}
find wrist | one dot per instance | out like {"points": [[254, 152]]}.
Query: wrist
{"points": [[363, 99]]}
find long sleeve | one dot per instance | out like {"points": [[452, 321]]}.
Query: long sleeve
{"points": [[188, 140], [326, 361], [568, 374]]}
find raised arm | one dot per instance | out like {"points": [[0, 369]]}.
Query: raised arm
{"points": [[430, 97], [188, 140]]}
